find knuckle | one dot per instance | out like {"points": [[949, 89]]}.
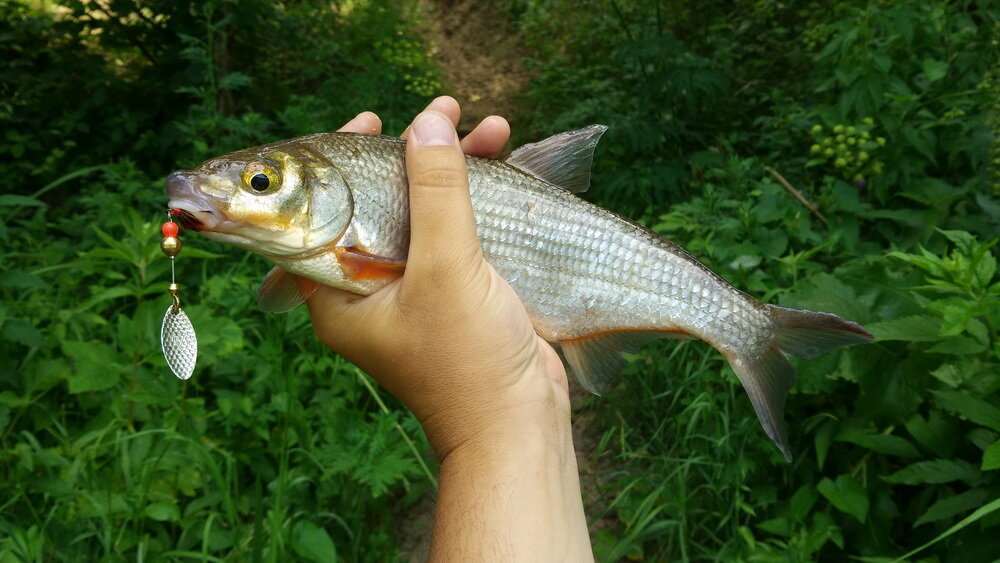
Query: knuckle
{"points": [[439, 177]]}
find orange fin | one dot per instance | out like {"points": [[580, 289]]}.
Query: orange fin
{"points": [[359, 264], [281, 291], [596, 359]]}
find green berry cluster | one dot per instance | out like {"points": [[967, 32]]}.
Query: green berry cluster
{"points": [[402, 52], [424, 85], [851, 150], [408, 55], [814, 34]]}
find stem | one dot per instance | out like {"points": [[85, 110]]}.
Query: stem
{"points": [[798, 195], [366, 381]]}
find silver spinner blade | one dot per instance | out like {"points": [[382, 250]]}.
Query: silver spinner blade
{"points": [[180, 345]]}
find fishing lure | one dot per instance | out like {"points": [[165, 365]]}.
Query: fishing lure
{"points": [[177, 338]]}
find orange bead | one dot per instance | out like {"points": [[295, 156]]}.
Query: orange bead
{"points": [[170, 229]]}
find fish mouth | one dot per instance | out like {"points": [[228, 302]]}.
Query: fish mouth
{"points": [[193, 209], [187, 219]]}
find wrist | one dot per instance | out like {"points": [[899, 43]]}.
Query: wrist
{"points": [[517, 485], [535, 415]]}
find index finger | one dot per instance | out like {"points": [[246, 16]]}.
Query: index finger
{"points": [[364, 122], [442, 104]]}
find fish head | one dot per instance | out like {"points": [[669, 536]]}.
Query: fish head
{"points": [[279, 200]]}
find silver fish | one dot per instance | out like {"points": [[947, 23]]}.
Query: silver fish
{"points": [[332, 208]]}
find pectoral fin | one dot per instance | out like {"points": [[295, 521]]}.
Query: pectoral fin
{"points": [[358, 264], [281, 291]]}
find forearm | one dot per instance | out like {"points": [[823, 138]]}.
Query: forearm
{"points": [[513, 496]]}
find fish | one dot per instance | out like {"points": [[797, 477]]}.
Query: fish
{"points": [[332, 209]]}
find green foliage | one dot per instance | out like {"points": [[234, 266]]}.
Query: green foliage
{"points": [[276, 449], [718, 111], [880, 115]]}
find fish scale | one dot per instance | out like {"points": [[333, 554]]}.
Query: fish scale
{"points": [[595, 284], [611, 272]]}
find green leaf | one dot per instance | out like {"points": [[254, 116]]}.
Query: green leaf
{"points": [[847, 495], [17, 279], [312, 542], [936, 433], [985, 269], [22, 332], [881, 443], [976, 410], [952, 505], [918, 328], [778, 526], [802, 502], [9, 398], [980, 512], [934, 69], [163, 511], [823, 439], [106, 294], [11, 200], [935, 471], [922, 141], [881, 61], [957, 346], [991, 457], [93, 366], [957, 315], [949, 374]]}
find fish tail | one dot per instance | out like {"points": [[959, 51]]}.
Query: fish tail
{"points": [[766, 373]]}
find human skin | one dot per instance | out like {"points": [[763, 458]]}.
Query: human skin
{"points": [[453, 342]]}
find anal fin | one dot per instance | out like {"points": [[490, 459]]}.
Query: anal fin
{"points": [[596, 359], [282, 291], [767, 378]]}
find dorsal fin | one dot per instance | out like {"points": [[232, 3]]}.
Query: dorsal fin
{"points": [[563, 159], [282, 291], [596, 359]]}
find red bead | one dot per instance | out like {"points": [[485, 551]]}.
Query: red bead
{"points": [[170, 229]]}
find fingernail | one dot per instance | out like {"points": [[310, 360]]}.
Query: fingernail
{"points": [[433, 130]]}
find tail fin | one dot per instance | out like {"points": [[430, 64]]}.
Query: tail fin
{"points": [[767, 375]]}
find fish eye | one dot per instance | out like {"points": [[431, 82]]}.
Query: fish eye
{"points": [[259, 182], [261, 177]]}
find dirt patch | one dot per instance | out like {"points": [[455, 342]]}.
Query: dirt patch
{"points": [[479, 53]]}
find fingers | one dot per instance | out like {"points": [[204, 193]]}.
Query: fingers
{"points": [[488, 138], [365, 122], [443, 237], [446, 105]]}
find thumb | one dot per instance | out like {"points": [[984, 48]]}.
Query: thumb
{"points": [[443, 236]]}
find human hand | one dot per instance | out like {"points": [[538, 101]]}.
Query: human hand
{"points": [[453, 342], [449, 338]]}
